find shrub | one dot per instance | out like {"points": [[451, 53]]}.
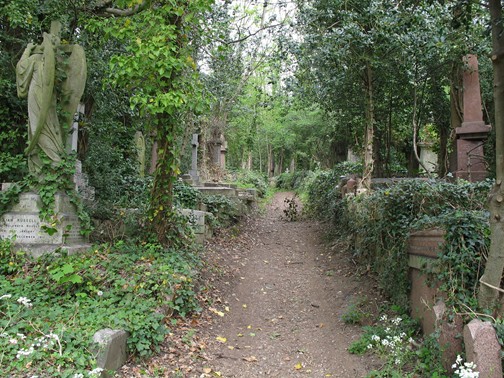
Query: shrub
{"points": [[379, 224], [255, 179]]}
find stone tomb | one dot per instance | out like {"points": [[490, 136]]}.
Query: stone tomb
{"points": [[23, 222]]}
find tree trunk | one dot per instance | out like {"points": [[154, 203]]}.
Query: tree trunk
{"points": [[368, 137], [494, 267]]}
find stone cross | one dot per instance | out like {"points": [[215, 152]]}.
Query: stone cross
{"points": [[473, 132]]}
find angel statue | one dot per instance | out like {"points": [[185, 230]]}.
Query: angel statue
{"points": [[49, 122]]}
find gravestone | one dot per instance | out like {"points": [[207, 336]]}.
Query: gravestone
{"points": [[428, 157], [472, 134], [223, 152], [194, 161], [140, 147]]}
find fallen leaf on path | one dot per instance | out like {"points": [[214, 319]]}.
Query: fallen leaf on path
{"points": [[298, 366], [207, 370], [230, 347], [226, 308], [220, 313], [249, 327], [244, 305], [221, 339], [240, 335], [250, 359]]}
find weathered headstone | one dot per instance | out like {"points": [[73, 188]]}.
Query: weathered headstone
{"points": [[483, 348], [473, 132], [140, 147], [223, 152], [111, 350], [194, 161], [428, 157]]}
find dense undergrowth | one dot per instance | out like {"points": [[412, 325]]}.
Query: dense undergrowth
{"points": [[50, 307]]}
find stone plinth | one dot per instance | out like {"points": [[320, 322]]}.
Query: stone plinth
{"points": [[37, 237], [219, 190], [473, 132]]}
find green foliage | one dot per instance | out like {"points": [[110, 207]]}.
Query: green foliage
{"points": [[460, 263], [120, 287], [323, 192], [379, 224], [293, 180], [186, 196], [393, 340], [222, 208], [247, 179], [356, 313]]}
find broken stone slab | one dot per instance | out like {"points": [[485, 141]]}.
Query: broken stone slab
{"points": [[111, 351], [483, 349]]}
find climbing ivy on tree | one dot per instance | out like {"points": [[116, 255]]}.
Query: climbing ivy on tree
{"points": [[156, 65]]}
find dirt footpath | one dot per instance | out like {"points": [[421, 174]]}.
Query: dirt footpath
{"points": [[274, 295], [281, 295]]}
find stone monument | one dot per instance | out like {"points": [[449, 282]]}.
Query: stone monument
{"points": [[194, 161], [50, 137], [223, 151], [472, 134], [428, 157], [140, 147]]}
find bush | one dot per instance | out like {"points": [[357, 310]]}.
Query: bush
{"points": [[255, 179], [379, 224]]}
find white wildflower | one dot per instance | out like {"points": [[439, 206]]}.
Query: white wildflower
{"points": [[383, 318], [78, 375], [375, 338], [95, 372], [6, 296], [24, 352], [21, 336], [99, 293], [25, 302], [13, 341]]}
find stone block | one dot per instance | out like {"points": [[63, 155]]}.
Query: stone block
{"points": [[483, 349], [197, 219], [450, 340], [111, 350]]}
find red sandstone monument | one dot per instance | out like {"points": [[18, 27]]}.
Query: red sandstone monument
{"points": [[472, 134]]}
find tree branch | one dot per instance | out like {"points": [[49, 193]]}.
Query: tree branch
{"points": [[105, 6]]}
